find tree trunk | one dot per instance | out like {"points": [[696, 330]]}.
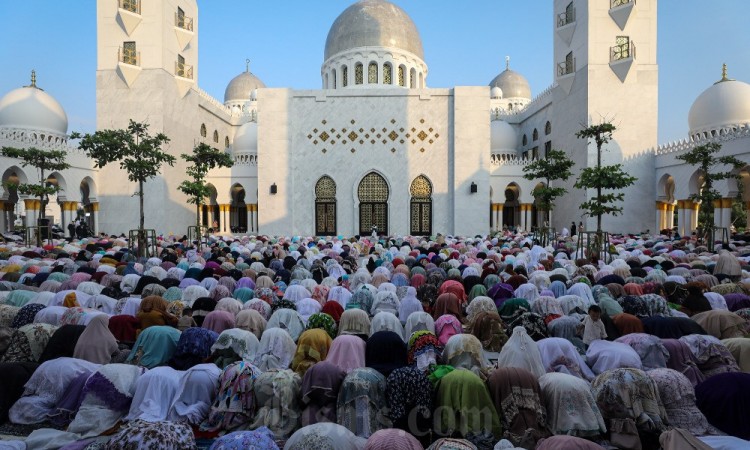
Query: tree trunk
{"points": [[599, 187], [42, 214], [141, 225]]}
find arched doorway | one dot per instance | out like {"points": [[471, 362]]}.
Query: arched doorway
{"points": [[211, 211], [325, 206], [511, 205], [12, 208], [421, 206], [87, 189], [238, 212], [54, 215], [373, 195]]}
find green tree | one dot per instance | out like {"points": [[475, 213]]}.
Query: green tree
{"points": [[610, 178], [204, 158], [554, 166], [138, 153], [45, 162], [705, 157]]}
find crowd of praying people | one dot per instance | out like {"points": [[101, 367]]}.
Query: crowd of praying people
{"points": [[442, 342]]}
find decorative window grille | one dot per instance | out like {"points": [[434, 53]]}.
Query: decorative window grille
{"points": [[358, 73], [387, 74], [372, 73]]}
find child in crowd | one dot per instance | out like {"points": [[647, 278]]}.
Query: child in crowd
{"points": [[593, 327], [186, 321]]}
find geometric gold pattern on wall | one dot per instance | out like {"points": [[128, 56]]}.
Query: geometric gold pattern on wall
{"points": [[392, 134]]}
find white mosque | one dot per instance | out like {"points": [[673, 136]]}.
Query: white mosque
{"points": [[375, 146]]}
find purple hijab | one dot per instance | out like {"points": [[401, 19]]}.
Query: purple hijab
{"points": [[500, 292], [682, 360]]}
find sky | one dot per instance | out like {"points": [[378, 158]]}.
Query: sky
{"points": [[465, 43]]}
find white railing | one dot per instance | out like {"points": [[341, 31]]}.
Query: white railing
{"points": [[500, 159], [722, 135], [42, 139], [246, 159]]}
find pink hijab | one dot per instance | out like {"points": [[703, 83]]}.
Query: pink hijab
{"points": [[447, 326], [347, 352], [218, 321]]}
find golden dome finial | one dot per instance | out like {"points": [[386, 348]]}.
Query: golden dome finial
{"points": [[724, 76]]}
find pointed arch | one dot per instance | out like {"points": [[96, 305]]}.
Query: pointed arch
{"points": [[325, 206], [211, 212], [511, 206], [373, 193], [238, 209], [420, 218], [12, 207]]}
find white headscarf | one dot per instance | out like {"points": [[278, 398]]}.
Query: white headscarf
{"points": [[418, 321], [605, 355], [195, 394], [522, 352], [276, 350], [387, 321], [154, 392]]}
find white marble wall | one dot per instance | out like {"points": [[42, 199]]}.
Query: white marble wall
{"points": [[421, 137]]}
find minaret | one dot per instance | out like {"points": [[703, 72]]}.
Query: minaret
{"points": [[605, 69], [134, 36], [147, 68]]}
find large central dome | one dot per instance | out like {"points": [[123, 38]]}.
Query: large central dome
{"points": [[373, 23]]}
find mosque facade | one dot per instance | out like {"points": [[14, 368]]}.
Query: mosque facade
{"points": [[375, 148]]}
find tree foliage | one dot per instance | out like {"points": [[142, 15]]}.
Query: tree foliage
{"points": [[203, 159], [45, 162], [705, 158], [554, 166], [139, 154], [610, 177]]}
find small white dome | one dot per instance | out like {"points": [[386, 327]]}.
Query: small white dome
{"points": [[242, 86], [724, 104], [496, 93], [31, 108], [503, 138], [246, 138]]}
